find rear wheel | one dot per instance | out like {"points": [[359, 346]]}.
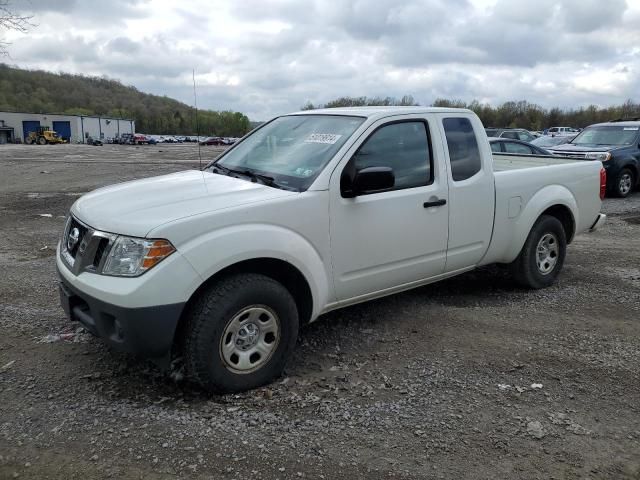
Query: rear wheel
{"points": [[542, 256], [28, 141], [240, 333], [624, 183]]}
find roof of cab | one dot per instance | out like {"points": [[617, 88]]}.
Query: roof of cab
{"points": [[380, 112], [618, 123]]}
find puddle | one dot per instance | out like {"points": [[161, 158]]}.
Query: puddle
{"points": [[633, 220]]}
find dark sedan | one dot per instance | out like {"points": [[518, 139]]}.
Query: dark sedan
{"points": [[508, 145]]}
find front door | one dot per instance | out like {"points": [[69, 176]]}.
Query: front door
{"points": [[388, 239]]}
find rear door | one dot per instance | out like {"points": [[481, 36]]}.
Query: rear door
{"points": [[386, 240], [471, 189]]}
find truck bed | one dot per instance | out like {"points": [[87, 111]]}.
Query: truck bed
{"points": [[510, 161], [523, 182]]}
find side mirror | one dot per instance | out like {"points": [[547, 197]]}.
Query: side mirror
{"points": [[368, 180]]}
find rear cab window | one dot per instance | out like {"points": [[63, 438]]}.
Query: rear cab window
{"points": [[464, 153]]}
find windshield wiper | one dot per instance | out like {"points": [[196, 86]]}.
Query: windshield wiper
{"points": [[264, 179], [220, 169]]}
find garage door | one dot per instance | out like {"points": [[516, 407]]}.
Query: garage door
{"points": [[63, 129], [29, 126]]}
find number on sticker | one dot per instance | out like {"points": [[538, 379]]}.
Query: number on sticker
{"points": [[328, 138]]}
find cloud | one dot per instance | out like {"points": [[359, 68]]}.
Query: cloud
{"points": [[265, 57]]}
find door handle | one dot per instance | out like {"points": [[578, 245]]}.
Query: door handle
{"points": [[436, 203]]}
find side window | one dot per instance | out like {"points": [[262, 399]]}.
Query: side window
{"points": [[510, 135], [463, 148], [525, 137], [495, 147], [512, 147], [402, 146]]}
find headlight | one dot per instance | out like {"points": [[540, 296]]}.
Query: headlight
{"points": [[131, 257], [602, 156]]}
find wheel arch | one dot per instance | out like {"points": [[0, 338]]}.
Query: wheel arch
{"points": [[565, 216], [511, 235], [277, 269], [633, 165]]}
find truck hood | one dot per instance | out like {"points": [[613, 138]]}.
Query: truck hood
{"points": [[570, 147], [135, 208]]}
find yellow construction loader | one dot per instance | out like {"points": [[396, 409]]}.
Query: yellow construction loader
{"points": [[43, 136]]}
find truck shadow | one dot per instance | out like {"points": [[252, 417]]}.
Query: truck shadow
{"points": [[353, 331]]}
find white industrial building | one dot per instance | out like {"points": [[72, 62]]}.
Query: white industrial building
{"points": [[73, 128]]}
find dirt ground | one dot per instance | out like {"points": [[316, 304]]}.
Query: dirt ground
{"points": [[468, 378]]}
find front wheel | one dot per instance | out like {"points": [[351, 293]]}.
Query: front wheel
{"points": [[240, 333], [542, 256], [624, 183]]}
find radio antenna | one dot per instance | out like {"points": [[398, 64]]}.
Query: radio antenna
{"points": [[195, 101]]}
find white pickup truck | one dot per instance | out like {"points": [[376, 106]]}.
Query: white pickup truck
{"points": [[311, 212]]}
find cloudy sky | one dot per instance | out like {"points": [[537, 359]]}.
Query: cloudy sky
{"points": [[265, 57]]}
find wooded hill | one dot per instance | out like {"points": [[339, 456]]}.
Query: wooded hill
{"points": [[520, 114], [37, 91]]}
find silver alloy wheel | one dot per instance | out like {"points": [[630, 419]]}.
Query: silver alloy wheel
{"points": [[625, 183], [547, 253], [250, 338]]}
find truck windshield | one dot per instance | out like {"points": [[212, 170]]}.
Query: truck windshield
{"points": [[607, 135], [290, 151]]}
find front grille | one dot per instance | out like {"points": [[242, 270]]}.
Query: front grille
{"points": [[578, 155], [84, 248], [74, 237], [102, 248]]}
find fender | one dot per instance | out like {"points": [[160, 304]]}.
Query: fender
{"points": [[633, 163], [237, 243], [511, 234]]}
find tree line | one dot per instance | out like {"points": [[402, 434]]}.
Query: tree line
{"points": [[37, 91], [512, 114]]}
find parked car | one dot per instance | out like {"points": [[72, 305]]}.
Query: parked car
{"points": [[213, 141], [514, 133], [312, 212], [125, 139], [562, 131], [139, 139], [547, 141], [507, 145], [617, 145]]}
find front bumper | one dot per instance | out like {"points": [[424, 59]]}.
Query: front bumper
{"points": [[144, 331], [600, 220]]}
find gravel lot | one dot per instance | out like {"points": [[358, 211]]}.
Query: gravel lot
{"points": [[469, 378]]}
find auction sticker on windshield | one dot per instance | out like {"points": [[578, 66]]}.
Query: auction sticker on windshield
{"points": [[631, 128], [327, 138]]}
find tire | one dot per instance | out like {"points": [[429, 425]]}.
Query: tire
{"points": [[42, 141], [540, 270], [28, 141], [624, 183], [240, 333]]}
